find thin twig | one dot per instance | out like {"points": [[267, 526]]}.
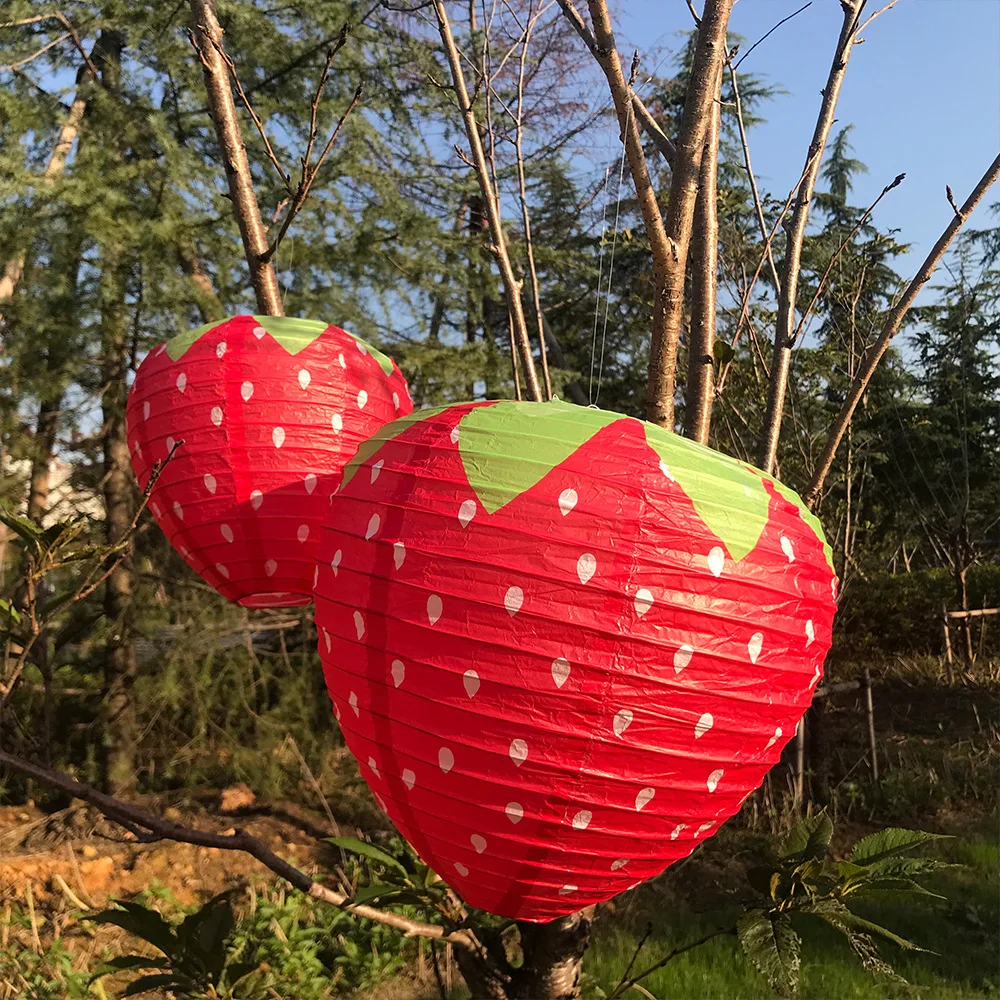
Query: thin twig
{"points": [[774, 29], [843, 246], [871, 17], [45, 48]]}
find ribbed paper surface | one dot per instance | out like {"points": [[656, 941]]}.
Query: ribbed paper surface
{"points": [[559, 680], [267, 421]]}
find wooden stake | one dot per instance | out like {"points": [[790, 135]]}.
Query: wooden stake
{"points": [[866, 684], [948, 661]]}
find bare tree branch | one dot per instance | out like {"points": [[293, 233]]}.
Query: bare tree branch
{"points": [[139, 822], [207, 39], [512, 287], [792, 264], [889, 328]]}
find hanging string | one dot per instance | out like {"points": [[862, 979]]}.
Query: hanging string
{"points": [[600, 282], [611, 264]]}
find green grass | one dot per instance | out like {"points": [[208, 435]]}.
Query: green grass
{"points": [[963, 930]]}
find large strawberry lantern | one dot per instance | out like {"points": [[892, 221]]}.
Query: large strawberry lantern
{"points": [[261, 413], [564, 645]]}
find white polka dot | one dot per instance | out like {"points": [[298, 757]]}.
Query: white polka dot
{"points": [[256, 499], [833, 588], [220, 348], [515, 812], [582, 819], [328, 639], [717, 560], [395, 401], [178, 511], [398, 553], [216, 415], [586, 567], [154, 507], [226, 532], [398, 671], [755, 645], [703, 725], [185, 552], [623, 720], [315, 576], [359, 623], [774, 739], [376, 469], [270, 567], [620, 863], [210, 483], [340, 359], [352, 700], [518, 752], [665, 469], [434, 608], [335, 561], [259, 331], [567, 890], [786, 547], [374, 523], [223, 571], [810, 633], [703, 828], [815, 679], [643, 798], [337, 422], [145, 410], [643, 601], [446, 759], [714, 778], [682, 657], [470, 681], [478, 842], [409, 778], [361, 347], [302, 534], [676, 832], [466, 512], [304, 378], [453, 436], [560, 671], [278, 436], [513, 600], [246, 391], [461, 869], [362, 399], [170, 445], [374, 766], [182, 381], [567, 501], [310, 482]]}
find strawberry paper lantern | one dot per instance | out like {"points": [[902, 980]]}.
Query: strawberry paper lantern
{"points": [[268, 411], [564, 645]]}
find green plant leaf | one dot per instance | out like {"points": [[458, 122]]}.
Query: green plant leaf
{"points": [[809, 839], [509, 447], [141, 922], [205, 931], [123, 962], [838, 916], [145, 984], [773, 947], [726, 495], [384, 434], [367, 850], [369, 892], [23, 527], [889, 843], [722, 352], [8, 611]]}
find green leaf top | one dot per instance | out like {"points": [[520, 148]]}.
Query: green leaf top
{"points": [[889, 843], [507, 448], [809, 840], [291, 333], [370, 851], [728, 497]]}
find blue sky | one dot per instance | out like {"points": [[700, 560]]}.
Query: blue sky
{"points": [[923, 93]]}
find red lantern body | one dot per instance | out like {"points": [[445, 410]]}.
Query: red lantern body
{"points": [[564, 645], [264, 412]]}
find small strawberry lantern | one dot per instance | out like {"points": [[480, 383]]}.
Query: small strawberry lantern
{"points": [[564, 645], [264, 412]]}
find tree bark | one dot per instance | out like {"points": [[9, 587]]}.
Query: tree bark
{"points": [[892, 322], [699, 389], [14, 268], [208, 40], [784, 339], [511, 286]]}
